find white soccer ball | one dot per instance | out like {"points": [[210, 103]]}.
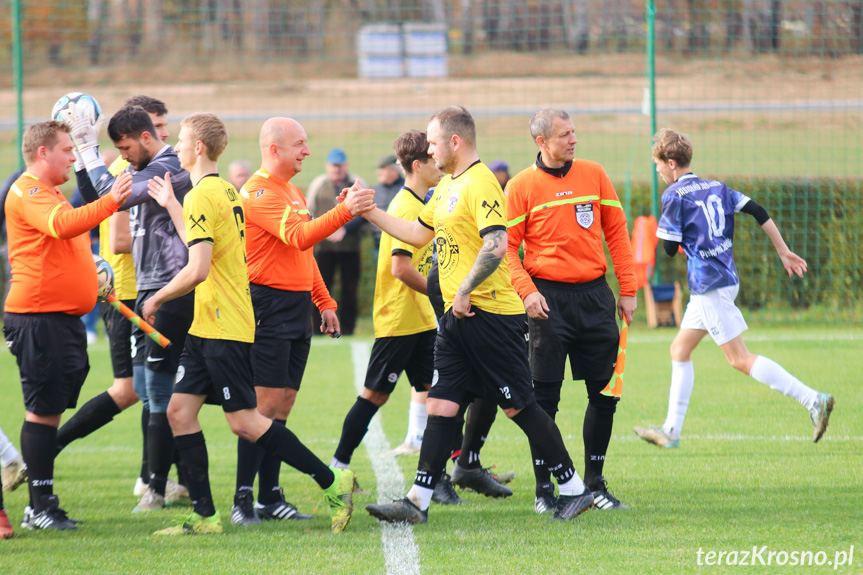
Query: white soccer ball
{"points": [[85, 104], [105, 274]]}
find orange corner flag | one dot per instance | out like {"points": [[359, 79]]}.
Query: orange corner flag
{"points": [[615, 386]]}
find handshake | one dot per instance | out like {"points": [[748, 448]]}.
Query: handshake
{"points": [[359, 201]]}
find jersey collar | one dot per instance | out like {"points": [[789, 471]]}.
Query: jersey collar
{"points": [[555, 172], [688, 176]]}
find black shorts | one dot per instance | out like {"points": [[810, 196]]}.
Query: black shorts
{"points": [[173, 320], [413, 354], [482, 356], [581, 324], [119, 332], [434, 293], [51, 351], [221, 369], [283, 336]]}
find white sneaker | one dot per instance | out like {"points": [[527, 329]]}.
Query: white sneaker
{"points": [[176, 492], [14, 474], [406, 448], [150, 502], [140, 488]]}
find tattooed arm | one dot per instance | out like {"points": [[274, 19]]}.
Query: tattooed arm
{"points": [[489, 257]]}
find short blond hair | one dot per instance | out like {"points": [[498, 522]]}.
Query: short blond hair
{"points": [[456, 120], [38, 135], [671, 145], [209, 130]]}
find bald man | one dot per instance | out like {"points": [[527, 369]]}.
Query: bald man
{"points": [[285, 282]]}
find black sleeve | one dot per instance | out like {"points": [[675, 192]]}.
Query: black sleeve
{"points": [[670, 247], [355, 224], [755, 210], [86, 187]]}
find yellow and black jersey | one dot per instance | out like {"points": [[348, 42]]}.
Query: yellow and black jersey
{"points": [[122, 264], [399, 310], [223, 306], [461, 210]]}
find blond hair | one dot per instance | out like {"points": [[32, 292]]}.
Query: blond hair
{"points": [[671, 145], [209, 130], [38, 135]]}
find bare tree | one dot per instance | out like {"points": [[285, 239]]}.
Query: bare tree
{"points": [[153, 18], [467, 22], [94, 24], [856, 26]]}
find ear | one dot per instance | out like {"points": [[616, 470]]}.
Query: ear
{"points": [[200, 149], [456, 141], [672, 164], [540, 142]]}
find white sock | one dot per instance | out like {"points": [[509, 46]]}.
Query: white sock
{"points": [[682, 380], [417, 418], [573, 486], [339, 464], [774, 375], [8, 453], [421, 496]]}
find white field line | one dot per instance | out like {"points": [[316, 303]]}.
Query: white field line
{"points": [[643, 337], [401, 554], [744, 437]]}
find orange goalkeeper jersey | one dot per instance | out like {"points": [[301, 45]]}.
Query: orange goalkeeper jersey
{"points": [[561, 220], [49, 249], [280, 234]]}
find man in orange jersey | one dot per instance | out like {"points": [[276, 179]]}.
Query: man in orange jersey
{"points": [[53, 284], [560, 208], [285, 282]]}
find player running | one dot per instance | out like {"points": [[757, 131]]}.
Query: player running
{"points": [[698, 215]]}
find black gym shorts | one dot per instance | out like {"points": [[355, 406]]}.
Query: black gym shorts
{"points": [[173, 320], [581, 324], [221, 369], [51, 351], [119, 332], [413, 354], [283, 336], [482, 356]]}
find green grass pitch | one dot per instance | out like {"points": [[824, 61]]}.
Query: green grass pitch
{"points": [[747, 474]]}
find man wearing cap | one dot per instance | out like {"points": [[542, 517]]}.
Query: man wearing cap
{"points": [[500, 169], [390, 182], [342, 249]]}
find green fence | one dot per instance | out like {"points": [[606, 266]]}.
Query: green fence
{"points": [[771, 93]]}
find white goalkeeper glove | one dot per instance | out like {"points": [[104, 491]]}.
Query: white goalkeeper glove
{"points": [[84, 135]]}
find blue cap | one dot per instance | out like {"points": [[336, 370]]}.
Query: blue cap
{"points": [[337, 157], [498, 166]]}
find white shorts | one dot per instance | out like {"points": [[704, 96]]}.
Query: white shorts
{"points": [[714, 312]]}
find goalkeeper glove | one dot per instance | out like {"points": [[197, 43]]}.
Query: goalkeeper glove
{"points": [[84, 135]]}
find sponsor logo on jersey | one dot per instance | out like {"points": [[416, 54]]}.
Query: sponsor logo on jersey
{"points": [[584, 215], [33, 191], [259, 193], [558, 194], [447, 253]]}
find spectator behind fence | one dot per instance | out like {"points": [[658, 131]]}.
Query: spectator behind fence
{"points": [[342, 249]]}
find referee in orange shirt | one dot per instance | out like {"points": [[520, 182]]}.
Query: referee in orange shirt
{"points": [[560, 208], [285, 283], [53, 284]]}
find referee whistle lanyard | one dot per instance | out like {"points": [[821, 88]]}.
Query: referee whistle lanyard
{"points": [[615, 386]]}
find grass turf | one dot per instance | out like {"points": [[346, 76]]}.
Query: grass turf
{"points": [[747, 474]]}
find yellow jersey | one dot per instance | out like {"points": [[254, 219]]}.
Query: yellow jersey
{"points": [[223, 306], [461, 209], [124, 268], [399, 310]]}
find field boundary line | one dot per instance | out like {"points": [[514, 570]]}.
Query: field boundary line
{"points": [[401, 553]]}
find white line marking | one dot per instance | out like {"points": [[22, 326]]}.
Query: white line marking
{"points": [[743, 437], [401, 554], [815, 336]]}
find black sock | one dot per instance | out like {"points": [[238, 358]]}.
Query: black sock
{"points": [[145, 465], [38, 448], [437, 442], [181, 475], [354, 428], [161, 451], [249, 457], [268, 474], [596, 431], [281, 441], [92, 415], [480, 416], [193, 455], [458, 436], [547, 397], [542, 431]]}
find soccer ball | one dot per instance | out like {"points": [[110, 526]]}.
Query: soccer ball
{"points": [[106, 277], [86, 105]]}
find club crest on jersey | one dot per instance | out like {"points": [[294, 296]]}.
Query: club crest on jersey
{"points": [[584, 215], [453, 202]]}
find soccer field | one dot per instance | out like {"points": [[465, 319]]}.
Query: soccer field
{"points": [[747, 475]]}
